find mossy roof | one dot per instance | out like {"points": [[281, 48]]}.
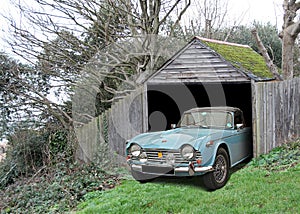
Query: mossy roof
{"points": [[242, 57]]}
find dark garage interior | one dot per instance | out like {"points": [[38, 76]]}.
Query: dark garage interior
{"points": [[166, 102]]}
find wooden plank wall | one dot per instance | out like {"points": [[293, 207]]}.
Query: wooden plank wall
{"points": [[103, 139], [276, 114]]}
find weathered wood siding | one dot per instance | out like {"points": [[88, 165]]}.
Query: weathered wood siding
{"points": [[197, 63], [103, 139], [276, 114]]}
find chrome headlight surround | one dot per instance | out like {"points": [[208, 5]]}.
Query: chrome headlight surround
{"points": [[143, 157], [135, 150], [170, 159], [187, 152]]}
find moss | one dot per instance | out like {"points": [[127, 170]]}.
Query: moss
{"points": [[242, 57]]}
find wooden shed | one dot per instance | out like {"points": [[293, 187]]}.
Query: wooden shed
{"points": [[204, 73]]}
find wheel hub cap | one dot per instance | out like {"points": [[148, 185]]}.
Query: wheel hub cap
{"points": [[220, 169]]}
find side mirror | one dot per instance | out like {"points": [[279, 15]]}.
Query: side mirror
{"points": [[239, 126], [173, 126]]}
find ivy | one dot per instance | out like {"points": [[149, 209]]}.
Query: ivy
{"points": [[56, 189], [280, 158], [105, 127]]}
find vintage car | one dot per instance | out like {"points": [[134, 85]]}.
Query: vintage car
{"points": [[207, 141]]}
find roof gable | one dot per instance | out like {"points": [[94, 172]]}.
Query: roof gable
{"points": [[203, 60]]}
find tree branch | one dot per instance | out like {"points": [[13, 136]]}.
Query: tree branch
{"points": [[272, 67]]}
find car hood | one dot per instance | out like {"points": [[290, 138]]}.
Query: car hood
{"points": [[175, 138]]}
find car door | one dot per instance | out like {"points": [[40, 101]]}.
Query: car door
{"points": [[240, 139]]}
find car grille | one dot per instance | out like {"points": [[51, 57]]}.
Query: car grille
{"points": [[153, 156]]}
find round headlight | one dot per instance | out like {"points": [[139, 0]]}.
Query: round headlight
{"points": [[135, 150], [187, 152]]}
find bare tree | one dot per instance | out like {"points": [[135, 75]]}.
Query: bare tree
{"points": [[289, 33], [211, 14], [60, 38], [110, 20]]}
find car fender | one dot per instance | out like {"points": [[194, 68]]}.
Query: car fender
{"points": [[210, 152], [223, 144]]}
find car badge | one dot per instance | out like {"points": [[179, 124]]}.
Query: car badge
{"points": [[164, 141], [159, 155]]}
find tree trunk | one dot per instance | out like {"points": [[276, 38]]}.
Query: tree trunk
{"points": [[290, 31], [287, 56], [208, 32]]}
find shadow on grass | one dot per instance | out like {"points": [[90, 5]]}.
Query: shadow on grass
{"points": [[240, 165], [195, 181]]}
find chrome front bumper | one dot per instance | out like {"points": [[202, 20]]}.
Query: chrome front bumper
{"points": [[190, 170]]}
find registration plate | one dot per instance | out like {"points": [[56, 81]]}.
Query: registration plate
{"points": [[158, 170]]}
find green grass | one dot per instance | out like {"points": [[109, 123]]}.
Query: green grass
{"points": [[249, 190]]}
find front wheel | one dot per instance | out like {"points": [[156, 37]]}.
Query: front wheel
{"points": [[219, 177]]}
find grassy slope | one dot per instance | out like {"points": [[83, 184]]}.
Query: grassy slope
{"points": [[246, 192], [249, 190]]}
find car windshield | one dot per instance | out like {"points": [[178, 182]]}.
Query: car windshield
{"points": [[207, 119]]}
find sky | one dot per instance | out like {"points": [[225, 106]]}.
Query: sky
{"points": [[260, 10]]}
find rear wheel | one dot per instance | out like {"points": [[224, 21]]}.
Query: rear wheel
{"points": [[219, 177]]}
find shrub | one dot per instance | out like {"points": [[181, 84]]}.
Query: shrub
{"points": [[57, 189], [31, 150], [279, 158]]}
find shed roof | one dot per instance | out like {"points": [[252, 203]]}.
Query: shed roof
{"points": [[206, 60]]}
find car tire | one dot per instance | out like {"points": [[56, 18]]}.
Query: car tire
{"points": [[219, 177], [140, 177]]}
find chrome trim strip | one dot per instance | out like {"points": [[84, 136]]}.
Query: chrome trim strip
{"points": [[196, 169]]}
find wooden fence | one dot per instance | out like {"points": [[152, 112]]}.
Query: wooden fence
{"points": [[276, 114], [103, 139]]}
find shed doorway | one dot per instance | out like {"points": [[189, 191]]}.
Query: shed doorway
{"points": [[167, 102]]}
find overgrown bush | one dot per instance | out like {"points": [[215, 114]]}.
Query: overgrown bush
{"points": [[55, 189], [39, 174], [60, 149], [30, 150], [280, 158]]}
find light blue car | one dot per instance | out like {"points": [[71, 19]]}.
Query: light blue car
{"points": [[206, 141]]}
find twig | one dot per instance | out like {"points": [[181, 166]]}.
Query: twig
{"points": [[35, 174], [8, 173]]}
